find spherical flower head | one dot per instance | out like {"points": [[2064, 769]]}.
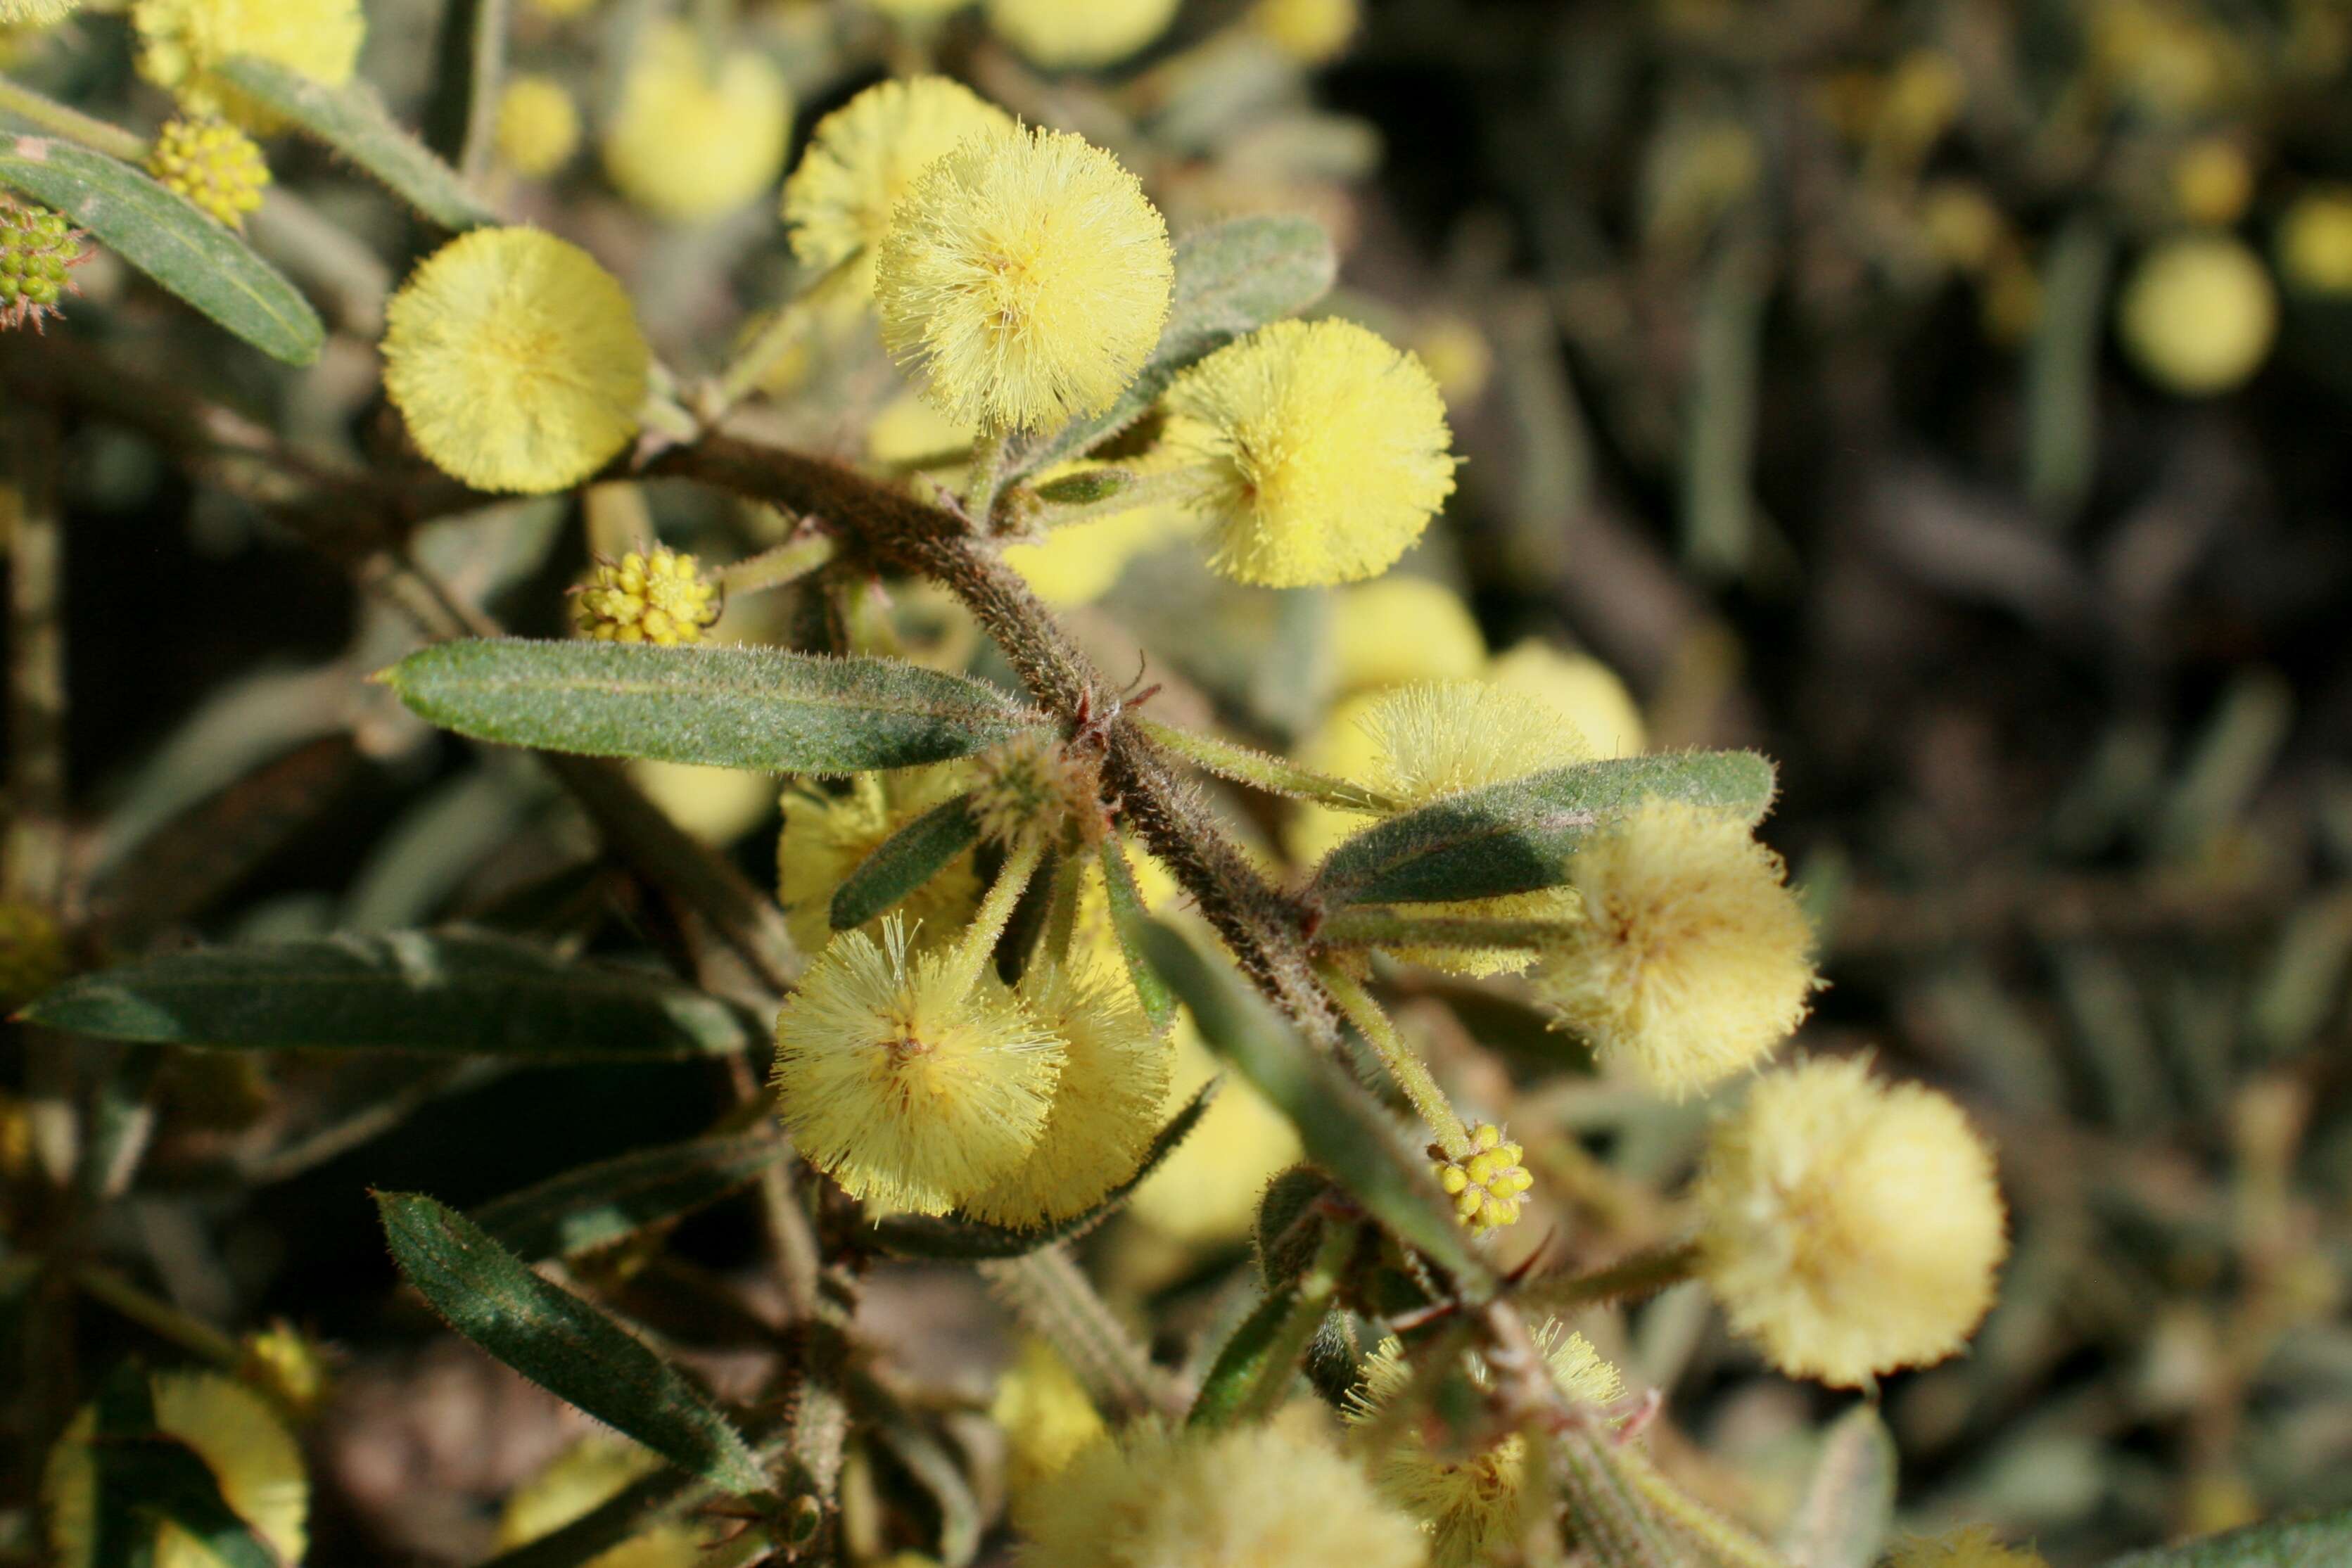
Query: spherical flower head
{"points": [[1473, 1504], [716, 805], [1975, 1547], [2197, 314], [32, 954], [1311, 32], [39, 251], [1400, 629], [660, 598], [690, 140], [253, 1461], [182, 43], [1487, 1183], [1046, 1418], [34, 12], [516, 361], [863, 156], [1324, 451], [1025, 277], [1037, 787], [1079, 34], [1692, 960], [1585, 693], [1848, 1226], [2314, 241], [1206, 1191], [826, 836], [538, 126], [213, 165], [904, 1082], [1276, 1496]]}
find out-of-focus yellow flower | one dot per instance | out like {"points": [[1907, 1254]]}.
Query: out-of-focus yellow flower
{"points": [[2213, 182], [1402, 628], [2171, 61], [1311, 32], [1322, 451], [586, 1476], [213, 165], [1961, 226], [1047, 1420], [1078, 35], [826, 837], [32, 953], [1079, 563], [1923, 95], [516, 361], [659, 597], [716, 805], [2199, 314], [34, 12], [908, 430], [289, 1366], [1459, 358], [1848, 1226], [538, 126], [2314, 241], [864, 155], [182, 43], [694, 138], [919, 13], [1207, 1191], [1975, 1547], [1586, 693], [1025, 277]]}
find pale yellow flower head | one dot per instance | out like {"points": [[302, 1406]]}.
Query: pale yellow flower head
{"points": [[1025, 279], [538, 126], [1975, 1547], [183, 42], [1276, 1496], [585, 1477], [1848, 1226], [2314, 241], [516, 361], [828, 836], [1402, 628], [1325, 451], [212, 164], [1047, 1420], [906, 1083], [1585, 691], [1692, 959], [2199, 314], [254, 1459], [1311, 32], [1207, 1190], [1078, 35], [34, 12], [692, 139], [717, 805], [863, 156]]}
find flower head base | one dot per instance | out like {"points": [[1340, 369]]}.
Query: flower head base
{"points": [[39, 251], [32, 954], [1487, 1183], [538, 126], [213, 165], [1025, 277], [516, 361], [1325, 451], [1849, 1227], [689, 143], [662, 598], [1975, 1547], [1692, 959], [1037, 786], [1066, 35], [863, 156], [826, 837], [184, 42], [904, 1083]]}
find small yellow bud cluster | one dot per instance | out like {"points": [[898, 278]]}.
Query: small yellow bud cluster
{"points": [[662, 598], [1037, 786], [1487, 1183], [39, 251], [32, 954], [213, 165]]}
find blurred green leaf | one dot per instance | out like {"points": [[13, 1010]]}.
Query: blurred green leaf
{"points": [[1517, 836], [757, 709], [465, 992], [1849, 1502], [904, 861], [1125, 902], [602, 1203], [2320, 1541], [352, 120], [564, 1344], [2062, 370], [168, 239], [1241, 1362]]}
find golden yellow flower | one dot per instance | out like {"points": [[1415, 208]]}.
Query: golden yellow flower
{"points": [[660, 598], [32, 953], [1311, 32], [182, 43], [828, 836], [863, 156], [1078, 35], [538, 125], [585, 1477], [1025, 277], [1586, 693], [1047, 1420], [1975, 1547], [692, 139], [1322, 452], [1206, 1192], [1692, 959], [1848, 1226], [212, 164], [2197, 314], [2314, 241], [906, 1082], [1399, 629], [516, 361]]}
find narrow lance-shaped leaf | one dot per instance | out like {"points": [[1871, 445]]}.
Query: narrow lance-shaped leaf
{"points": [[1517, 837], [904, 861], [561, 1342], [168, 239], [602, 1203], [454, 993], [1241, 1361], [1124, 900], [1849, 1503], [352, 120], [2317, 1540], [758, 708]]}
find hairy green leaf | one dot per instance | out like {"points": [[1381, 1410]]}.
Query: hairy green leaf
{"points": [[1516, 837], [904, 861], [453, 992], [1241, 1362], [1125, 901], [352, 120], [758, 708], [566, 1346], [1848, 1505], [2312, 1541], [602, 1203], [168, 239]]}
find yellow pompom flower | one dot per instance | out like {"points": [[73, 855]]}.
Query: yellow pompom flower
{"points": [[826, 836], [1206, 1192], [538, 125], [909, 1080], [1079, 34], [1322, 452], [1488, 1183], [1025, 277], [864, 155], [1400, 629], [182, 43], [1848, 1226], [32, 953], [1250, 1497], [1975, 1547], [2314, 241], [253, 1461], [661, 598], [34, 12], [2197, 314], [691, 140], [1048, 1421], [1585, 691], [516, 361], [1692, 959], [716, 805], [1473, 1505], [1311, 32], [582, 1478], [212, 164]]}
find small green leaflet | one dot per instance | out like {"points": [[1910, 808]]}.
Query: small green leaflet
{"points": [[352, 121], [904, 861]]}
